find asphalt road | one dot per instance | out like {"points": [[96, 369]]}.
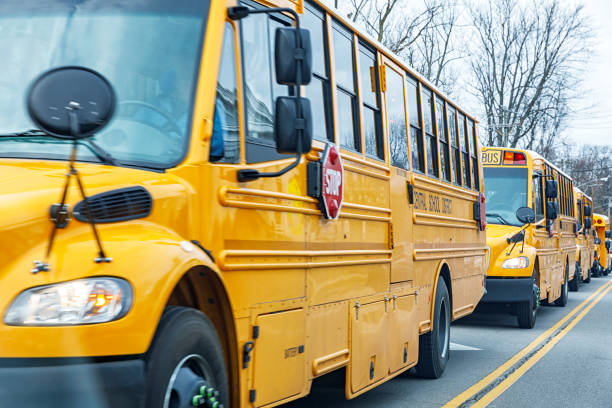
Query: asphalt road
{"points": [[570, 366]]}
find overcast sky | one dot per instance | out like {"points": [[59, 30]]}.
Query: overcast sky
{"points": [[594, 126]]}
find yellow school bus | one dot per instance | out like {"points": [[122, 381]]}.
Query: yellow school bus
{"points": [[181, 239], [584, 238], [530, 231], [601, 224]]}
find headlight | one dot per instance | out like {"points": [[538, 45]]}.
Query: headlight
{"points": [[516, 263], [83, 301]]}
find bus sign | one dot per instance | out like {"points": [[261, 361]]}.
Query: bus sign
{"points": [[332, 182]]}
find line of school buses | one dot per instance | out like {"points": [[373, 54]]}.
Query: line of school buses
{"points": [[228, 272], [550, 245]]}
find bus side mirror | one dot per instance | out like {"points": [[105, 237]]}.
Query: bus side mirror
{"points": [[525, 215], [287, 124], [551, 188], [587, 223], [552, 210], [587, 211], [289, 59], [608, 234]]}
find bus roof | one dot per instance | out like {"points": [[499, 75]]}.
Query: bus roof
{"points": [[534, 156], [604, 218], [381, 47], [576, 189]]}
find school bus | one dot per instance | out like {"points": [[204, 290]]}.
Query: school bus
{"points": [[601, 224], [584, 245], [530, 231], [209, 252]]}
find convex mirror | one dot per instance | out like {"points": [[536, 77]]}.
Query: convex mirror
{"points": [[57, 93], [525, 215], [288, 58], [287, 124], [552, 210], [551, 188]]}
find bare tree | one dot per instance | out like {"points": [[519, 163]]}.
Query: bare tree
{"points": [[590, 167], [423, 36], [525, 65]]}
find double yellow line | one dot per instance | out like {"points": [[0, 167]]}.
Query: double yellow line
{"points": [[486, 390]]}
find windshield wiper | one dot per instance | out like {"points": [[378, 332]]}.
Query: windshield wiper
{"points": [[499, 216], [37, 134]]}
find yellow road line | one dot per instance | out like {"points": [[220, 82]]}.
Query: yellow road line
{"points": [[512, 378], [465, 395]]}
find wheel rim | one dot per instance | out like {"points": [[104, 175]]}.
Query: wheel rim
{"points": [[443, 329], [191, 372]]}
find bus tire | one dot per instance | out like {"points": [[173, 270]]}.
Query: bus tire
{"points": [[562, 300], [588, 278], [185, 354], [434, 347], [526, 312], [574, 284]]}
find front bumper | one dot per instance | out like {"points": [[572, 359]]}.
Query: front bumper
{"points": [[507, 290], [71, 383]]}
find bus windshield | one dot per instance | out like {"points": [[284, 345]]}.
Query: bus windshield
{"points": [[505, 192], [148, 50]]}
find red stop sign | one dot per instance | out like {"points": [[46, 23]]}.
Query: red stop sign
{"points": [[332, 182]]}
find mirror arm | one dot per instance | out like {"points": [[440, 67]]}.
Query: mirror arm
{"points": [[253, 174]]}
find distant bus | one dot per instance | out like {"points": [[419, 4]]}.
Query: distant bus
{"points": [[585, 250], [601, 225], [231, 266], [533, 257]]}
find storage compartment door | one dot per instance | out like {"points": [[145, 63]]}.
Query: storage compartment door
{"points": [[279, 357], [368, 344], [403, 338]]}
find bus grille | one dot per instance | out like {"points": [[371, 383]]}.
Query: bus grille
{"points": [[116, 205]]}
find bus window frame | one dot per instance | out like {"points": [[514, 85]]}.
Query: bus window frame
{"points": [[326, 82], [256, 151], [437, 99], [348, 33], [389, 64], [455, 170], [410, 80], [378, 131], [424, 90]]}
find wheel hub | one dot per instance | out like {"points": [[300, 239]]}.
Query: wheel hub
{"points": [[188, 386]]}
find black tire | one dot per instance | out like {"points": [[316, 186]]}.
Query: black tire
{"points": [[434, 347], [574, 284], [526, 312], [588, 278], [605, 271], [185, 338], [562, 300]]}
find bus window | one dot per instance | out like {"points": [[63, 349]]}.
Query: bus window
{"points": [[452, 125], [538, 199], [225, 141], [345, 86], [442, 136], [260, 88], [318, 91], [431, 143], [369, 97], [473, 144], [396, 119], [464, 151], [416, 137]]}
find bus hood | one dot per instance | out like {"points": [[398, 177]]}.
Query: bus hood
{"points": [[497, 236], [29, 188]]}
